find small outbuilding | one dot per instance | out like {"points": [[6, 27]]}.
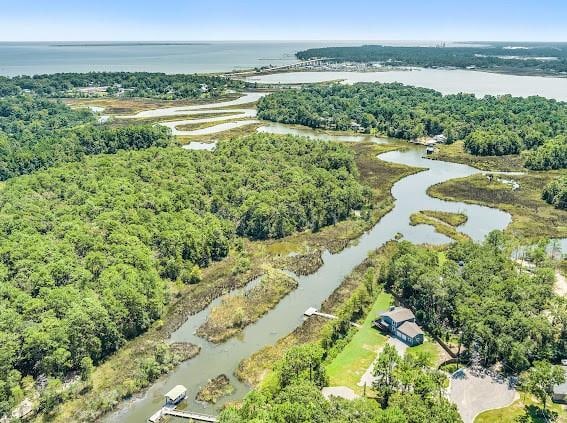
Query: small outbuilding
{"points": [[400, 322], [176, 395]]}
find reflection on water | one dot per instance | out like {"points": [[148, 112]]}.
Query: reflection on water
{"points": [[281, 129], [410, 195]]}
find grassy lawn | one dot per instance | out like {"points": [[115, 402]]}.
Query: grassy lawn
{"points": [[431, 348], [351, 363], [526, 409]]}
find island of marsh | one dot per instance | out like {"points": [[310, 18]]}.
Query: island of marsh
{"points": [[444, 222]]}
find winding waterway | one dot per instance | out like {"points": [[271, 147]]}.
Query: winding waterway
{"points": [[410, 194]]}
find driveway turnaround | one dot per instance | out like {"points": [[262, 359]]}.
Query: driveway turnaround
{"points": [[475, 392]]}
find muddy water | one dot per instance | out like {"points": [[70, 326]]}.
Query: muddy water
{"points": [[410, 194]]}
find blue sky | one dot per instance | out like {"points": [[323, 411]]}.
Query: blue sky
{"points": [[27, 20]]}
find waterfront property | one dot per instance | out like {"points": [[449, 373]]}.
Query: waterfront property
{"points": [[400, 322], [172, 400]]}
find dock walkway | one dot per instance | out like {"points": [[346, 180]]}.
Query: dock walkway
{"points": [[312, 311], [171, 411]]}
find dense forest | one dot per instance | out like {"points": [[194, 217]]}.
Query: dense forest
{"points": [[128, 84], [537, 58], [294, 394], [556, 193], [489, 126], [476, 294], [87, 248], [36, 133]]}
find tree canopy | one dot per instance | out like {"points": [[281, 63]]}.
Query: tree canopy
{"points": [[556, 193], [489, 126], [498, 313], [128, 84], [87, 248], [295, 396], [37, 133]]}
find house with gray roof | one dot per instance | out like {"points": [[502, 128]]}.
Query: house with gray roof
{"points": [[400, 322]]}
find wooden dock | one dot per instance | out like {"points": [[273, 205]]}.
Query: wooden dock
{"points": [[189, 415], [312, 311], [171, 411]]}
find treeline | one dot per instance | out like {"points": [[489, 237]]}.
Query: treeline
{"points": [[548, 59], [408, 390], [556, 193], [129, 84], [489, 126], [37, 133], [477, 297], [87, 248]]}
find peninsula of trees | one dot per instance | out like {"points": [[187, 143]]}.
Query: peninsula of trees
{"points": [[536, 58], [128, 84], [489, 126]]}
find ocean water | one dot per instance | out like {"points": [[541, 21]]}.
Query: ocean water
{"points": [[199, 57], [32, 58]]}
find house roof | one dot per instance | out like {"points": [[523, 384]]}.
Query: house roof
{"points": [[561, 389], [176, 392], [410, 329], [399, 314]]}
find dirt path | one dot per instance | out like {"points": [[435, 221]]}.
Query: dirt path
{"points": [[560, 286]]}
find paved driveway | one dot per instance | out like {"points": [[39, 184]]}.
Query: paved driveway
{"points": [[475, 393]]}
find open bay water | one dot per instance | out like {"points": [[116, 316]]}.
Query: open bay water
{"points": [[32, 58]]}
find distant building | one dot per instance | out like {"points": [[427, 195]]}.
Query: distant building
{"points": [[560, 391], [355, 126], [400, 322]]}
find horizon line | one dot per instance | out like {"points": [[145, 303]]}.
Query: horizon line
{"points": [[280, 40]]}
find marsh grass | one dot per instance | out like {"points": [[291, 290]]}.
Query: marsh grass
{"points": [[236, 312], [532, 217], [425, 218]]}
